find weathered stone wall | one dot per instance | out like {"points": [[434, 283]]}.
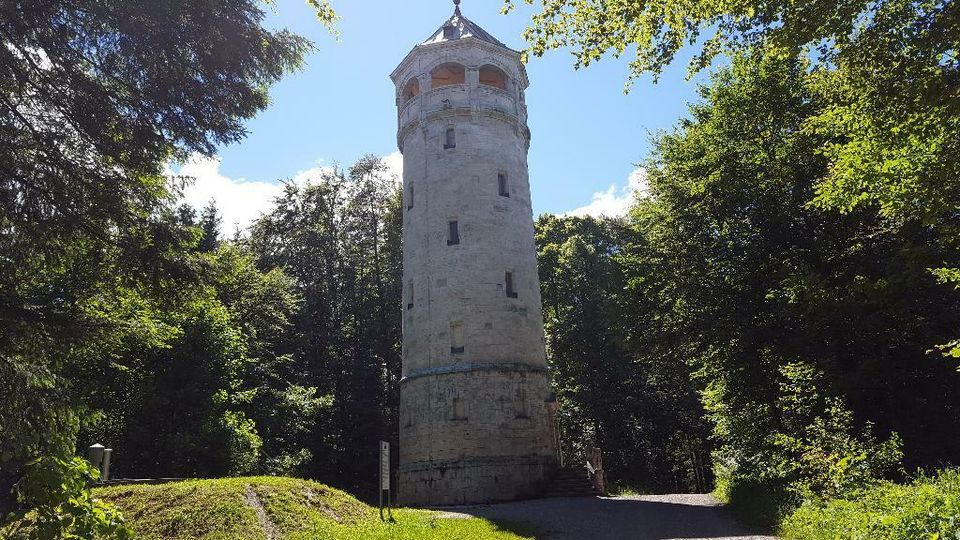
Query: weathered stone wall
{"points": [[474, 420], [476, 435]]}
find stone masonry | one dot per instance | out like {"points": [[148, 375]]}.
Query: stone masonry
{"points": [[476, 410]]}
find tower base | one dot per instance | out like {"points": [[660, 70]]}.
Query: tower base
{"points": [[473, 480]]}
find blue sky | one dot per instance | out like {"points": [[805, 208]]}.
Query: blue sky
{"points": [[587, 135]]}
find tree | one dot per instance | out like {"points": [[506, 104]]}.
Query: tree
{"points": [[640, 408], [210, 222], [889, 72], [95, 99], [338, 238], [658, 30], [790, 313]]}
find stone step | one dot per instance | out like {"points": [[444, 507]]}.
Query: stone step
{"points": [[571, 483]]}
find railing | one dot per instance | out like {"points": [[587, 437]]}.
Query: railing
{"points": [[458, 96], [595, 470]]}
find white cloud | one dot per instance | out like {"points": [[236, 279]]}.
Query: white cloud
{"points": [[394, 163], [615, 201], [241, 201]]}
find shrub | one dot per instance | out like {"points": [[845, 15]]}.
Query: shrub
{"points": [[57, 493], [929, 508], [754, 501], [811, 451]]}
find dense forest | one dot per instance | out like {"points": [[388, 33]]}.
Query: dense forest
{"points": [[776, 318]]}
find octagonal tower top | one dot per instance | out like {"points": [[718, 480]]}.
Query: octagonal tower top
{"points": [[458, 32], [458, 27]]}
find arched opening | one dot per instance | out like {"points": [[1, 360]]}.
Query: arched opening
{"points": [[493, 76], [411, 90], [448, 74]]}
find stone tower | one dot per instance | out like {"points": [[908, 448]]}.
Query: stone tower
{"points": [[476, 409]]}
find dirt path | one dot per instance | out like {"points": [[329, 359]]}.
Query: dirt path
{"points": [[251, 500], [649, 517]]}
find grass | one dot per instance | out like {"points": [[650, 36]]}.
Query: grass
{"points": [[292, 509], [754, 503], [928, 509], [625, 490]]}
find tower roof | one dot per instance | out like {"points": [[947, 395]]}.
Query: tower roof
{"points": [[457, 27]]}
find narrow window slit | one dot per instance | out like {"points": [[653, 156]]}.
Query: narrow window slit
{"points": [[456, 337], [450, 139], [508, 281], [453, 233], [459, 409]]}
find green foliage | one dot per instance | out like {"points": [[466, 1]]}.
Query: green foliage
{"points": [[785, 246], [887, 74], [33, 419], [338, 238], [209, 224], [65, 508], [816, 454], [658, 30], [949, 276], [295, 509], [926, 508], [803, 325], [752, 500], [639, 408], [98, 275]]}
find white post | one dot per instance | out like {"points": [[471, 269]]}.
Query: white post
{"points": [[105, 470], [385, 477], [95, 457]]}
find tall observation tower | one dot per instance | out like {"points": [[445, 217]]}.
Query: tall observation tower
{"points": [[476, 410]]}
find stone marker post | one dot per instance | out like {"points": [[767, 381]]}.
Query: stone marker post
{"points": [[105, 468], [95, 457]]}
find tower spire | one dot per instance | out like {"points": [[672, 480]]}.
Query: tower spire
{"points": [[456, 9]]}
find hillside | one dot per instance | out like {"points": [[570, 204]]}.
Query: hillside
{"points": [[273, 508]]}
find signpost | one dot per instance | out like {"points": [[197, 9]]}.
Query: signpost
{"points": [[385, 477]]}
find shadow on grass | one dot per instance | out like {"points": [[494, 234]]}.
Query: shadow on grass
{"points": [[519, 528]]}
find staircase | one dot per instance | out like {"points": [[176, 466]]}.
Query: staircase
{"points": [[571, 483]]}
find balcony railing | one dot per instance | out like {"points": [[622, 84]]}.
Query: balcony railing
{"points": [[458, 96]]}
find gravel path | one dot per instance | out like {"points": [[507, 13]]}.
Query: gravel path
{"points": [[648, 517]]}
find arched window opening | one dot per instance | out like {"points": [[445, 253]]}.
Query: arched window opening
{"points": [[493, 76], [411, 90], [448, 74]]}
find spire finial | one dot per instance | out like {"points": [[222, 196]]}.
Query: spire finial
{"points": [[456, 10]]}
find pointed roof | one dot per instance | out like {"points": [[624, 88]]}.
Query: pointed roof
{"points": [[458, 27]]}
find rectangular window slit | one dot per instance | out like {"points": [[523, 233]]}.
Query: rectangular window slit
{"points": [[508, 281], [453, 233], [459, 410], [410, 295], [410, 198], [456, 337], [450, 140], [502, 186]]}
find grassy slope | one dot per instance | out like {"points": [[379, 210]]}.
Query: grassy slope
{"points": [[925, 509], [297, 509]]}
